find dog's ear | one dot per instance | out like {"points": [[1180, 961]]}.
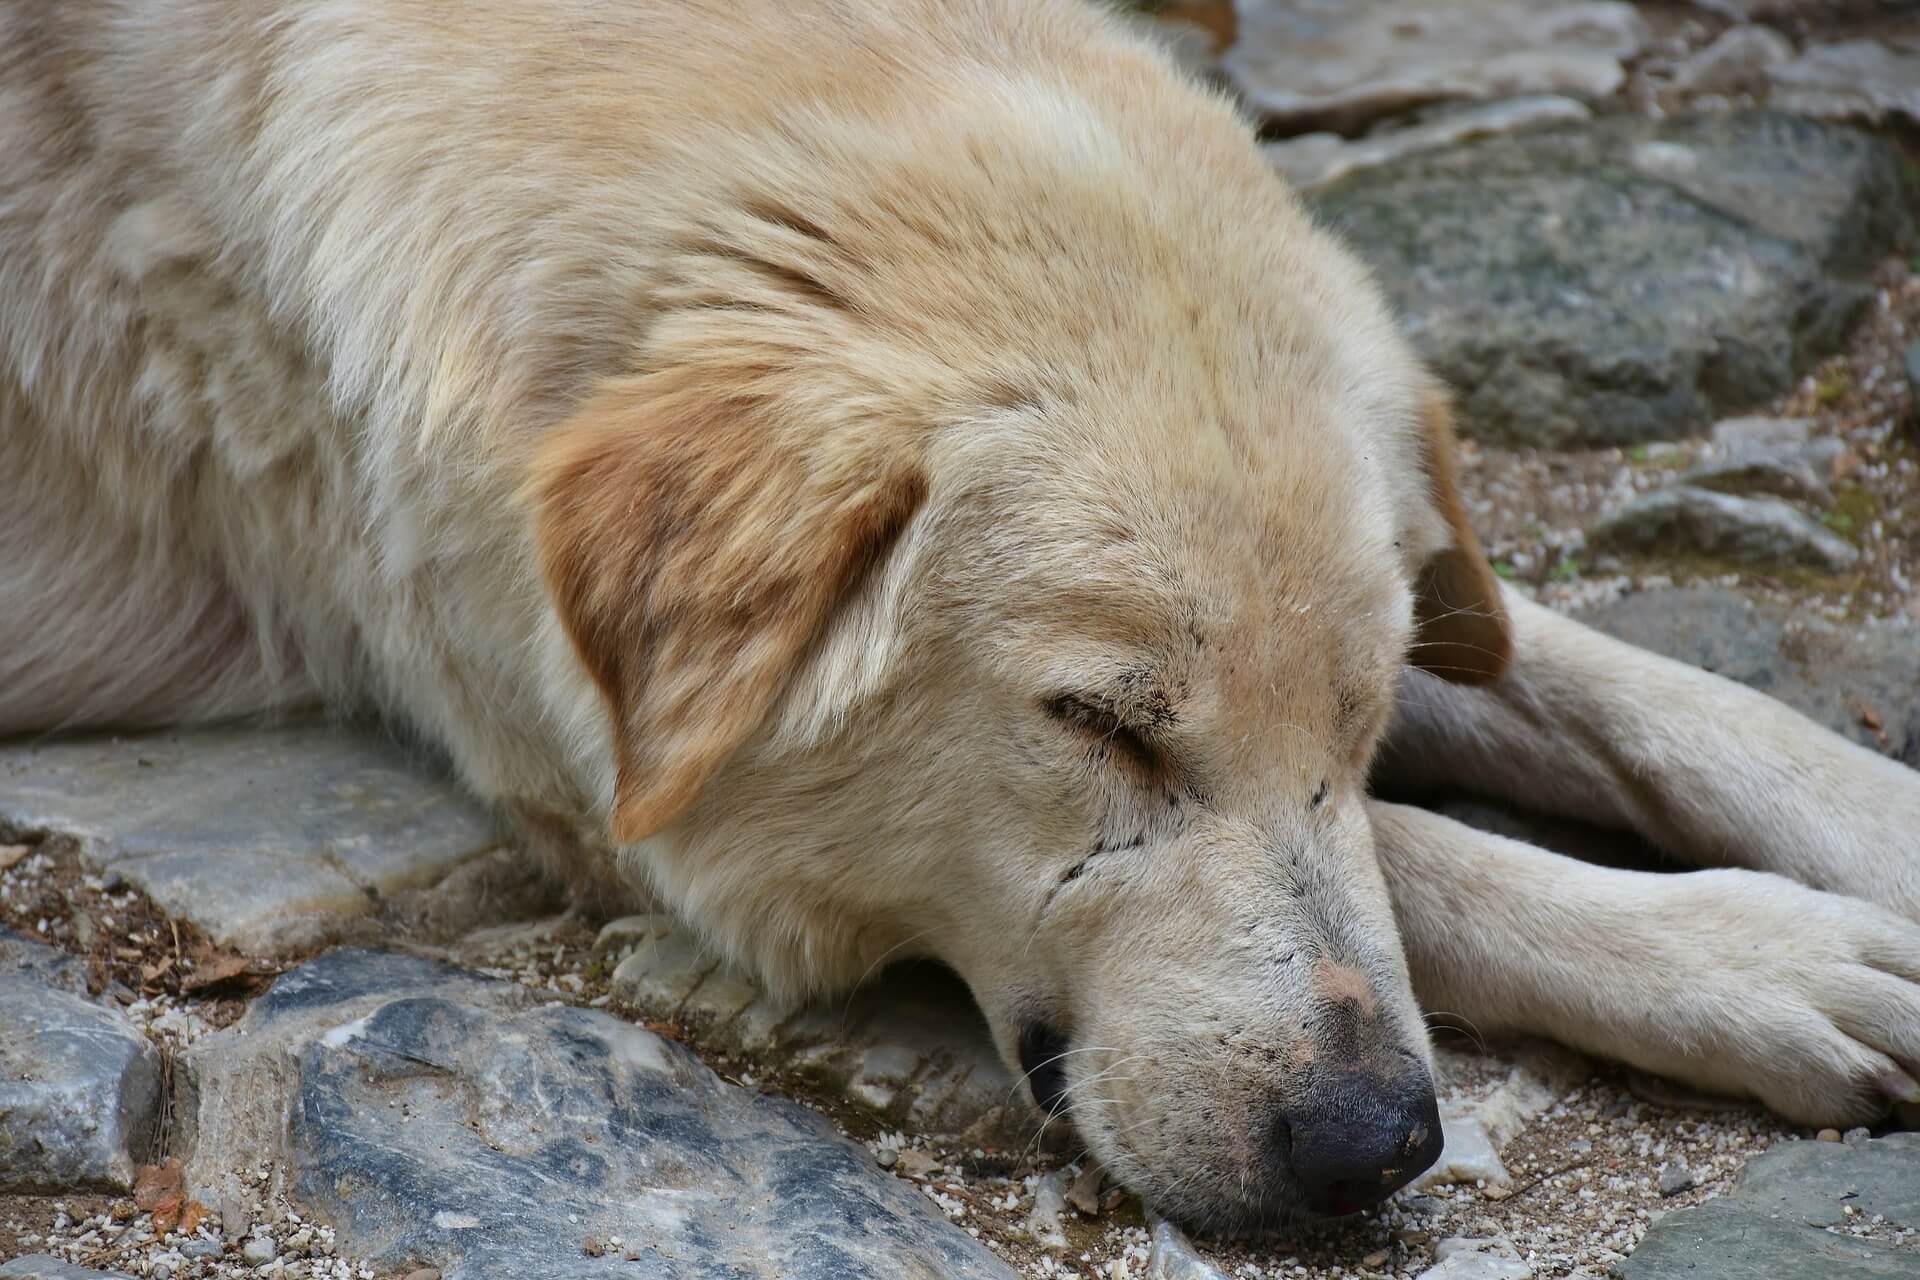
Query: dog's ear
{"points": [[695, 547], [1462, 631]]}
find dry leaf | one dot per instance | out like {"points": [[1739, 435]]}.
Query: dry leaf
{"points": [[166, 1215], [12, 855], [1084, 1194], [915, 1163], [158, 969], [156, 1183], [220, 971], [192, 1214]]}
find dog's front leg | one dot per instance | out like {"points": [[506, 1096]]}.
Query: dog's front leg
{"points": [[1590, 727], [1734, 981]]}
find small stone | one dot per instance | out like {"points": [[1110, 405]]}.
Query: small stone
{"points": [[1857, 1137], [1675, 1178], [1378, 1258], [1049, 1202], [1827, 1135], [258, 1250], [1461, 1258], [1173, 1257], [424, 1273], [1685, 520], [887, 1157], [11, 855]]}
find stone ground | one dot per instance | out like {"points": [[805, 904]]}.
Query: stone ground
{"points": [[1667, 255]]}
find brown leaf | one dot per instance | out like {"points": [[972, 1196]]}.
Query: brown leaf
{"points": [[217, 973], [156, 1183], [192, 1214], [1084, 1194], [12, 855], [166, 1215], [914, 1163], [151, 973]]}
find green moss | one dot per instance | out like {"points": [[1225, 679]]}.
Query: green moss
{"points": [[1852, 512], [1832, 387]]}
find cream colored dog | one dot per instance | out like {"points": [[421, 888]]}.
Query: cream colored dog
{"points": [[888, 478]]}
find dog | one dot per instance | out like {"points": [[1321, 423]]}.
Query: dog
{"points": [[890, 479]]}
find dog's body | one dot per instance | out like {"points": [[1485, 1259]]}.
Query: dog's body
{"points": [[738, 434]]}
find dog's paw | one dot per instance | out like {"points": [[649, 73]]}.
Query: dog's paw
{"points": [[1807, 1001]]}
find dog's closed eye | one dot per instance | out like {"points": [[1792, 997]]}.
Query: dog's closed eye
{"points": [[1105, 729]]}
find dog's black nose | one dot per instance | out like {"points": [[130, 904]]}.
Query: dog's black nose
{"points": [[1043, 1051], [1354, 1139]]}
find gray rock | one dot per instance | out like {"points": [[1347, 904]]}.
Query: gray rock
{"points": [[1626, 280], [1473, 1265], [1675, 1178], [1827, 672], [433, 1116], [1340, 64], [1313, 160], [79, 1089], [1793, 471], [40, 1266], [22, 957], [269, 839], [259, 1249], [1685, 520], [1851, 79], [1775, 1221], [1735, 62], [1736, 435], [1173, 1257], [910, 1046]]}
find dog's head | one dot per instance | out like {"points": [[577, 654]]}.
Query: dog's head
{"points": [[1007, 552]]}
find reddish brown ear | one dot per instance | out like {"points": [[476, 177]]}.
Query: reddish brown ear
{"points": [[1463, 632], [695, 547]]}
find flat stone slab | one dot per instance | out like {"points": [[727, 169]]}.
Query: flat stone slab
{"points": [[79, 1085], [1626, 280], [1688, 519], [269, 839], [1341, 63], [38, 1266], [1802, 1211], [911, 1046], [1860, 681], [434, 1117]]}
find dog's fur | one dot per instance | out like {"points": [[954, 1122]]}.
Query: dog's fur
{"points": [[887, 479]]}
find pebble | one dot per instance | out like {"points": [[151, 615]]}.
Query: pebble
{"points": [[424, 1273], [1828, 1135], [258, 1250], [1675, 1178]]}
